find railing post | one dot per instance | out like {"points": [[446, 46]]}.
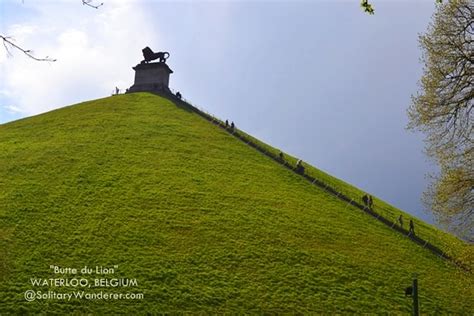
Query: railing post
{"points": [[416, 310]]}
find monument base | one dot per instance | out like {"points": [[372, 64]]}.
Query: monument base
{"points": [[154, 88], [151, 77]]}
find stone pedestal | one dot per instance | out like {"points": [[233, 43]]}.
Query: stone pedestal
{"points": [[151, 77]]}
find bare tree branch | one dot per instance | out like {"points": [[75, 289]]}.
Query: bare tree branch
{"points": [[90, 4], [7, 41], [8, 44]]}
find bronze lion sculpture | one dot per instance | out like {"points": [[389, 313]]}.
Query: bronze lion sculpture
{"points": [[149, 55]]}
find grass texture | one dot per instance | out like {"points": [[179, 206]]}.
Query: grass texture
{"points": [[203, 222]]}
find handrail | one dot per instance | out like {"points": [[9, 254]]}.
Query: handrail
{"points": [[235, 132]]}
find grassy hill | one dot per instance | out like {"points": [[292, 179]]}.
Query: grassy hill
{"points": [[203, 222]]}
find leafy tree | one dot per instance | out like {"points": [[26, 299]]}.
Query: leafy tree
{"points": [[443, 111]]}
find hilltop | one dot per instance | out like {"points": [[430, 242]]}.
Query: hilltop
{"points": [[202, 221]]}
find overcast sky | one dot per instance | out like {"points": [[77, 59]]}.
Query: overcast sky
{"points": [[319, 79]]}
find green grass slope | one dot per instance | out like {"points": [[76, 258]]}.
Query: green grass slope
{"points": [[203, 222], [444, 241]]}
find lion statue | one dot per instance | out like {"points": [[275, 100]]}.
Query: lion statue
{"points": [[149, 55]]}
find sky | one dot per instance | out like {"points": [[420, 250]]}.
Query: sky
{"points": [[320, 80]]}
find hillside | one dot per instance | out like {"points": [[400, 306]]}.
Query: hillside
{"points": [[203, 222]]}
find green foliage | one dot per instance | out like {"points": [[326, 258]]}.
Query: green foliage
{"points": [[367, 7], [443, 111], [202, 221]]}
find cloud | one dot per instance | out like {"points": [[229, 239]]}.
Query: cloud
{"points": [[95, 50], [12, 109]]}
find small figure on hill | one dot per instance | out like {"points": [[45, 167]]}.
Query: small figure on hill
{"points": [[232, 126], [370, 201], [178, 95], [117, 90], [400, 220], [299, 167], [226, 123], [281, 156], [412, 227], [365, 199]]}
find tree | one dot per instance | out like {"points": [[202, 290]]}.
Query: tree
{"points": [[443, 111]]}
